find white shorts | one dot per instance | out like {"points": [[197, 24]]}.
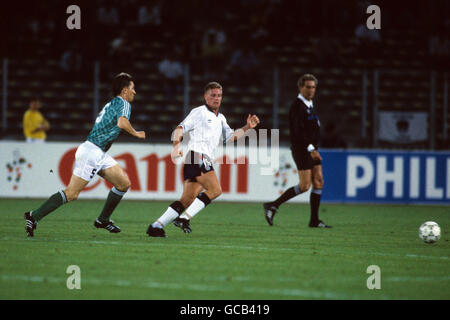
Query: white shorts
{"points": [[90, 159]]}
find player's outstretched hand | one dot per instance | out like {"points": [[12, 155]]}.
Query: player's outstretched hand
{"points": [[252, 121], [140, 134]]}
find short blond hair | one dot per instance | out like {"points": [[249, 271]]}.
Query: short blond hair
{"points": [[212, 85]]}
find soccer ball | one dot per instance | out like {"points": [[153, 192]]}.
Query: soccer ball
{"points": [[429, 232]]}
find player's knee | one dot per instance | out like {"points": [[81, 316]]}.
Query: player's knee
{"points": [[71, 195], [124, 185], [186, 203], [187, 200], [304, 187], [216, 192], [318, 183]]}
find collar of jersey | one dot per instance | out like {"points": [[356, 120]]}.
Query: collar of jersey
{"points": [[209, 109], [309, 103], [122, 98]]}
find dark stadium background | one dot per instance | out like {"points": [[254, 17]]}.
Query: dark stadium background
{"points": [[376, 195], [406, 70]]}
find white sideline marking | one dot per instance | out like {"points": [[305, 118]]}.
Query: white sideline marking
{"points": [[426, 257], [200, 287], [188, 245], [299, 293], [421, 279]]}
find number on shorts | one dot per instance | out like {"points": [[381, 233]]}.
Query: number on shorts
{"points": [[93, 173]]}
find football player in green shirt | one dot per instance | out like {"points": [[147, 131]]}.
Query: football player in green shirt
{"points": [[91, 159]]}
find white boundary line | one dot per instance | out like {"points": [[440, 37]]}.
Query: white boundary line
{"points": [[416, 279], [216, 246], [151, 284]]}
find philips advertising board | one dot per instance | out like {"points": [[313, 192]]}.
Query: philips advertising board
{"points": [[386, 176]]}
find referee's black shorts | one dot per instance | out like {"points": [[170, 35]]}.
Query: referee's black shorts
{"points": [[304, 161], [195, 165]]}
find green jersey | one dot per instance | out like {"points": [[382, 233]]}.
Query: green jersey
{"points": [[105, 130]]}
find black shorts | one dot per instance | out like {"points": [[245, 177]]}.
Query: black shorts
{"points": [[195, 164], [304, 161]]}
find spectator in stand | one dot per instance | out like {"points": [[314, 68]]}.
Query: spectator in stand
{"points": [[34, 28], [243, 65], [172, 70], [71, 61], [108, 22], [34, 123], [213, 49], [326, 50], [149, 19], [332, 139], [260, 37], [439, 50], [368, 42], [108, 15], [120, 52], [191, 46]]}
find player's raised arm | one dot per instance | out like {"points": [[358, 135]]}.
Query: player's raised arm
{"points": [[124, 124], [252, 122]]}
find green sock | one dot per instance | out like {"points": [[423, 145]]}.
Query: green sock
{"points": [[54, 202], [112, 201]]}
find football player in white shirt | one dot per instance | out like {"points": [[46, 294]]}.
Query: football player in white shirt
{"points": [[206, 127]]}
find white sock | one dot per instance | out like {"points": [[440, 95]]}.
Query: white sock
{"points": [[166, 218], [156, 224], [194, 208]]}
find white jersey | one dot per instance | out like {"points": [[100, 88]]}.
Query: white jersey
{"points": [[206, 130]]}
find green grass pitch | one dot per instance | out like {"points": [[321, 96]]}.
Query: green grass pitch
{"points": [[231, 254]]}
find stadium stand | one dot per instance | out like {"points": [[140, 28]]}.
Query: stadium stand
{"points": [[330, 51]]}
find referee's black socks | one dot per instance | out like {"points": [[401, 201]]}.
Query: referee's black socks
{"points": [[288, 194], [314, 202]]}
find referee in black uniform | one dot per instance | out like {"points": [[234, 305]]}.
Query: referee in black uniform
{"points": [[304, 127]]}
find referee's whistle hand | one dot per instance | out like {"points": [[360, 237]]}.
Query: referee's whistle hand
{"points": [[316, 155]]}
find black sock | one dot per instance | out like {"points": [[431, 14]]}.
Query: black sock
{"points": [[288, 194], [55, 201], [113, 199], [178, 207], [314, 202], [204, 198]]}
